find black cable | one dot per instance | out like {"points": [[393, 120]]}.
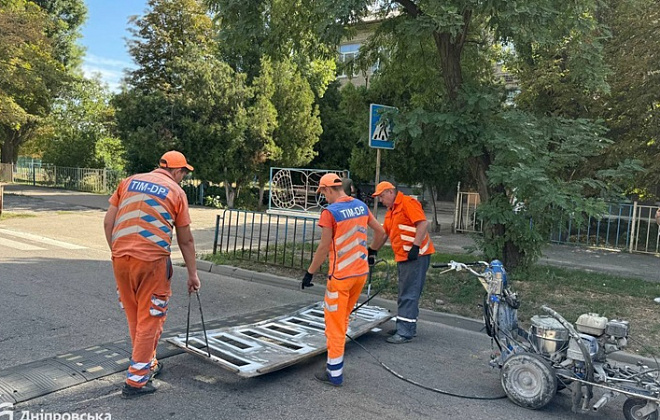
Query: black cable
{"points": [[387, 368], [426, 387]]}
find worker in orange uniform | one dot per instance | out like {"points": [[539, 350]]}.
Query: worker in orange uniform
{"points": [[344, 239], [407, 228], [138, 227]]}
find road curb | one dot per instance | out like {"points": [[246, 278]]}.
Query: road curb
{"points": [[457, 321]]}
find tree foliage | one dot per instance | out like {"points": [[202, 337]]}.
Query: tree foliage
{"points": [[259, 39], [81, 128], [437, 63], [38, 57], [338, 138], [280, 30], [180, 95], [66, 18], [184, 96], [632, 110], [298, 123], [30, 75]]}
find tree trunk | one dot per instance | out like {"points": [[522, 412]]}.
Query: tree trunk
{"points": [[511, 256], [13, 139], [450, 63], [478, 166], [435, 226], [229, 195], [9, 150], [450, 49], [230, 192], [262, 188]]}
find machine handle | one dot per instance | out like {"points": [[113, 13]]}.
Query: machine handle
{"points": [[450, 264]]}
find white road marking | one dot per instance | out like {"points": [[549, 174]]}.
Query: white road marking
{"points": [[41, 239], [19, 245]]}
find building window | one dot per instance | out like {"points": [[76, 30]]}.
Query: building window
{"points": [[348, 53]]}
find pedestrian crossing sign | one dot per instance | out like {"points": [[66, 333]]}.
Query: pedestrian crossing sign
{"points": [[380, 130]]}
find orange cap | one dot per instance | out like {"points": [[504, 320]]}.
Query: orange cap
{"points": [[382, 187], [329, 180], [174, 159]]}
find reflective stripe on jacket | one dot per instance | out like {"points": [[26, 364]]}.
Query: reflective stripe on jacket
{"points": [[348, 252], [399, 225], [148, 209]]}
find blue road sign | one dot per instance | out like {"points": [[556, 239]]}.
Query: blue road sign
{"points": [[380, 132]]}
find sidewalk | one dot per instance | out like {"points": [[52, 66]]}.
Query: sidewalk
{"points": [[58, 198], [641, 266]]}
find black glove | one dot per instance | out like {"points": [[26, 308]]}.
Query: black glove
{"points": [[307, 280], [371, 258], [413, 253]]}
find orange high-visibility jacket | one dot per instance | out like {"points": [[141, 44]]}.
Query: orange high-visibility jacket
{"points": [[399, 225], [348, 251], [150, 205]]}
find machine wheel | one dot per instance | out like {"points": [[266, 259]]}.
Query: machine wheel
{"points": [[632, 405], [528, 380]]}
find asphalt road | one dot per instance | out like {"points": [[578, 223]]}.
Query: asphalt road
{"points": [[56, 299]]}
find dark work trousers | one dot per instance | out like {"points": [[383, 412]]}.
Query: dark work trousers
{"points": [[412, 275]]}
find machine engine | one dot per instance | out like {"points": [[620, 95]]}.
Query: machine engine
{"points": [[599, 335]]}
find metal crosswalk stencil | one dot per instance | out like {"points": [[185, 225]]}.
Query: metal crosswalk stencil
{"points": [[258, 348]]}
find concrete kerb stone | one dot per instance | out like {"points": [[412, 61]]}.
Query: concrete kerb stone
{"points": [[264, 278], [205, 266], [452, 320]]}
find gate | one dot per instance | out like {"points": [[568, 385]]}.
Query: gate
{"points": [[465, 214], [646, 232]]}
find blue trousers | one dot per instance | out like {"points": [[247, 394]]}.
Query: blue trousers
{"points": [[412, 275]]}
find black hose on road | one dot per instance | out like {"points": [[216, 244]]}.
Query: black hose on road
{"points": [[426, 387]]}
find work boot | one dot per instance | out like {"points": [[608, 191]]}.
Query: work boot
{"points": [[394, 331], [323, 377], [132, 392], [156, 370], [398, 339]]}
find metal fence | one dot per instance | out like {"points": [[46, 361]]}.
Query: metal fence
{"points": [[196, 191], [283, 240], [78, 179], [627, 226]]}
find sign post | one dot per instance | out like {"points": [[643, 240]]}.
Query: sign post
{"points": [[380, 131]]}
